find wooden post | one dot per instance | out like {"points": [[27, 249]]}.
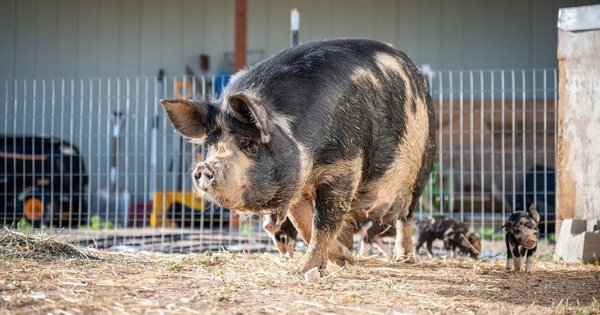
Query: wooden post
{"points": [[240, 35], [239, 56]]}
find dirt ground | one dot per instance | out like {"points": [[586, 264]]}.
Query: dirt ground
{"points": [[228, 283]]}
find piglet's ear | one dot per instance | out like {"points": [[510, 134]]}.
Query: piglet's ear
{"points": [[249, 111], [534, 214], [189, 118], [509, 225]]}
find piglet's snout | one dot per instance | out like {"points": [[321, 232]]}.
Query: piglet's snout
{"points": [[204, 175], [529, 242]]}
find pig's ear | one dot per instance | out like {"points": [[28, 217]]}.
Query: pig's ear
{"points": [[249, 111], [188, 118], [534, 214], [509, 225]]}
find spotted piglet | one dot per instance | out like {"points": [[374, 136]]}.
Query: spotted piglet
{"points": [[521, 238], [283, 236]]}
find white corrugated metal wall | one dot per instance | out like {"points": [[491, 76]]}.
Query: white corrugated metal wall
{"points": [[109, 38]]}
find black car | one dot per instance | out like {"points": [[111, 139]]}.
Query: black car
{"points": [[42, 180]]}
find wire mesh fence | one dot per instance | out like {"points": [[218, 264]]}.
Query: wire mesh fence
{"points": [[96, 157]]}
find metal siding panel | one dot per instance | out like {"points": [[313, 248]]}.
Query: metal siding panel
{"points": [[544, 33], [452, 41], [320, 17], [257, 25], [364, 26], [25, 39], [150, 38], [193, 33], [46, 44], [7, 38], [216, 35], [66, 37], [129, 34], [520, 34], [171, 52], [497, 32], [474, 35], [408, 36], [108, 57], [278, 27], [343, 19], [430, 33], [88, 38], [386, 22]]}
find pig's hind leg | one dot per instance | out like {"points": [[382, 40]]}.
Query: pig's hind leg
{"points": [[403, 247]]}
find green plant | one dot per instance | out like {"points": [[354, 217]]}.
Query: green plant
{"points": [[96, 223], [24, 225], [246, 228], [492, 235], [175, 266], [439, 191]]}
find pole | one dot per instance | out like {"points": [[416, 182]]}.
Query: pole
{"points": [[240, 35], [295, 26]]}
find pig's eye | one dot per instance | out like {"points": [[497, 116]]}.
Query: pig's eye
{"points": [[248, 146]]}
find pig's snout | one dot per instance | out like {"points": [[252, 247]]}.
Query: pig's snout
{"points": [[529, 242], [204, 175], [270, 227]]}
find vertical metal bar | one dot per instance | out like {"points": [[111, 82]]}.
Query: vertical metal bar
{"points": [[523, 135], [442, 183], [108, 156], [137, 158], [147, 192], [493, 151], [5, 131], [534, 136], [461, 146], [93, 142], [15, 108], [164, 175], [127, 152], [513, 138], [33, 129], [72, 141], [472, 146], [482, 145], [118, 187], [451, 140], [80, 140], [503, 142], [61, 135]]}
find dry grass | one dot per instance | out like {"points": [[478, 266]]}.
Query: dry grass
{"points": [[227, 283]]}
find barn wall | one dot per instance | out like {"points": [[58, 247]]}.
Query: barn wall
{"points": [[89, 38]]}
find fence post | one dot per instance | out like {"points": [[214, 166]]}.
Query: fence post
{"points": [[578, 195]]}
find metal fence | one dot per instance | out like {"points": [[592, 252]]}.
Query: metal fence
{"points": [[96, 156]]}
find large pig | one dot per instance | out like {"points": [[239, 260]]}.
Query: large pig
{"points": [[326, 133]]}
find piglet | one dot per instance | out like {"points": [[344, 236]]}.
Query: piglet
{"points": [[521, 238], [283, 236]]}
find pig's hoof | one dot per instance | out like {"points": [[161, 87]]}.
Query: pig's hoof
{"points": [[309, 264], [342, 261], [313, 275], [408, 259]]}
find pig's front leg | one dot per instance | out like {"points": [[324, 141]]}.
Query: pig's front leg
{"points": [[529, 261], [332, 205]]}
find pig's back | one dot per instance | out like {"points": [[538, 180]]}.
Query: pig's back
{"points": [[348, 98]]}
